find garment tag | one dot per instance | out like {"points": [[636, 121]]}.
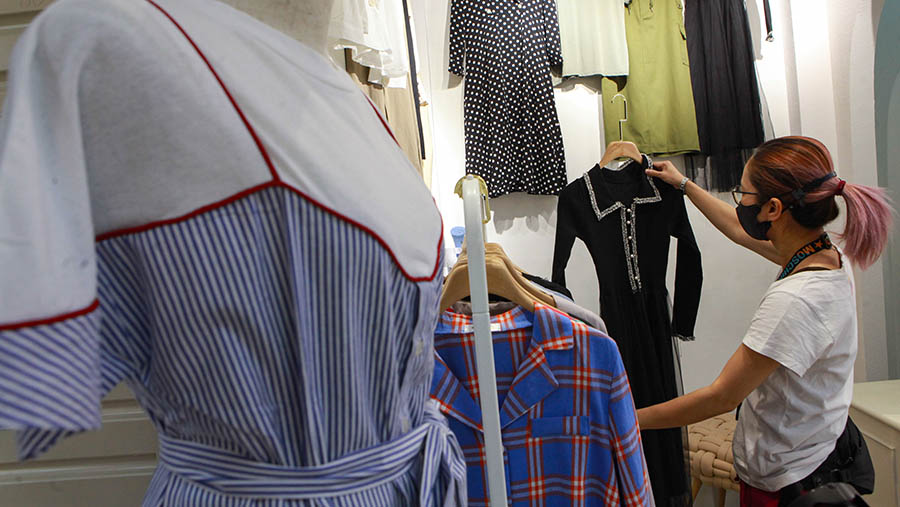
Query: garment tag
{"points": [[495, 328], [618, 165]]}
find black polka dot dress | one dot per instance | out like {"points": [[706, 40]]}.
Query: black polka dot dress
{"points": [[505, 48]]}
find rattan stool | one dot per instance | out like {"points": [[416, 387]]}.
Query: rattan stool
{"points": [[712, 462]]}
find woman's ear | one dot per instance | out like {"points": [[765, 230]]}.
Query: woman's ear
{"points": [[773, 209]]}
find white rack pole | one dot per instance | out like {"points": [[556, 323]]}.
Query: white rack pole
{"points": [[473, 202]]}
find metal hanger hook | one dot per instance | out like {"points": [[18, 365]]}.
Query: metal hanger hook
{"points": [[625, 106]]}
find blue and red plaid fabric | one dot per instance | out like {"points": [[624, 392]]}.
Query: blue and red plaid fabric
{"points": [[569, 427]]}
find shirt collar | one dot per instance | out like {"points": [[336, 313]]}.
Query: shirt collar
{"points": [[534, 380], [605, 203], [552, 327]]}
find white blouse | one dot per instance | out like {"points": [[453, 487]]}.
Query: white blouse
{"points": [[592, 33]]}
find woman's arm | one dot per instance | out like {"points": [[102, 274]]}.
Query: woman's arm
{"points": [[743, 373], [719, 213]]}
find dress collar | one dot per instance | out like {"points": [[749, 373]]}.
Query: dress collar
{"points": [[647, 193]]}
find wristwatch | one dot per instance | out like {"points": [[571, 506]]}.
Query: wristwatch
{"points": [[683, 183]]}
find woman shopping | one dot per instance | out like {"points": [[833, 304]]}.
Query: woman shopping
{"points": [[793, 372]]}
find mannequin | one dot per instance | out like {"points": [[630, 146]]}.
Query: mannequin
{"points": [[304, 20], [189, 118]]}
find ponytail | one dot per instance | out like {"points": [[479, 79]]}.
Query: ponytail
{"points": [[782, 166], [869, 218]]}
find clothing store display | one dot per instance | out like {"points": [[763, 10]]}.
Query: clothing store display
{"points": [[397, 106], [626, 222], [505, 48], [375, 34], [725, 88], [661, 116], [568, 421], [815, 349], [564, 302], [181, 214], [592, 36]]}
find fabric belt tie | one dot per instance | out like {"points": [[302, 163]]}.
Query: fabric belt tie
{"points": [[231, 474]]}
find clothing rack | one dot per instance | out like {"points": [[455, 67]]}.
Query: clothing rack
{"points": [[474, 193]]}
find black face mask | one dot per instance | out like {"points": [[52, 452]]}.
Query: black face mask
{"points": [[747, 217]]}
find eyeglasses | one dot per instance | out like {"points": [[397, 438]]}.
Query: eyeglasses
{"points": [[737, 194]]}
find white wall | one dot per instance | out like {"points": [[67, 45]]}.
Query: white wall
{"points": [[817, 78]]}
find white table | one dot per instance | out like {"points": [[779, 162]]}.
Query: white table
{"points": [[876, 411]]}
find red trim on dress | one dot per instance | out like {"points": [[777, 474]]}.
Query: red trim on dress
{"points": [[215, 74], [277, 182], [50, 320], [378, 113], [192, 214]]}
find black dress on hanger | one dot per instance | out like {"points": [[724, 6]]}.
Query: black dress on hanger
{"points": [[726, 91], [626, 219]]}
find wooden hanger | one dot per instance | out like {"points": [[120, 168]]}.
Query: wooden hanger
{"points": [[495, 250], [621, 149], [504, 280]]}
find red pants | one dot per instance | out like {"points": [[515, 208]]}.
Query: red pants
{"points": [[752, 497]]}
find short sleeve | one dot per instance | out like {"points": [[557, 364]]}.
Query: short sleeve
{"points": [[47, 258], [787, 330], [49, 339]]}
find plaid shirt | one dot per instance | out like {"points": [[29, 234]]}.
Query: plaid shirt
{"points": [[569, 427]]}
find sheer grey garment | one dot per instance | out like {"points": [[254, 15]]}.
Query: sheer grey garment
{"points": [[574, 310]]}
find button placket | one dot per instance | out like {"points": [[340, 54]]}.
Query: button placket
{"points": [[632, 236], [628, 217], [629, 254]]}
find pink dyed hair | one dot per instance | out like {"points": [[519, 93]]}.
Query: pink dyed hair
{"points": [[785, 164]]}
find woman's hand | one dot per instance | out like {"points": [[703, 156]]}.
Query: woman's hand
{"points": [[719, 213], [667, 172]]}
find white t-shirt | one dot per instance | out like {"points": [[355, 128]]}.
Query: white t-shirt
{"points": [[790, 423]]}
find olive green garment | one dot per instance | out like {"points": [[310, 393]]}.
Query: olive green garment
{"points": [[661, 117]]}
